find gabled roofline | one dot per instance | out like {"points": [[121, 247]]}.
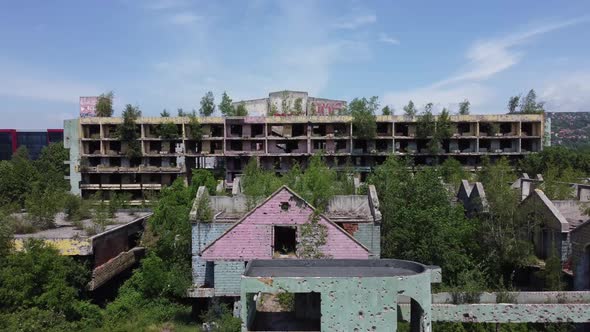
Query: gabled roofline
{"points": [[552, 208], [266, 201]]}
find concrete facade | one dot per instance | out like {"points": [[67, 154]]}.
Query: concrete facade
{"points": [[580, 241], [222, 246], [98, 158], [283, 103]]}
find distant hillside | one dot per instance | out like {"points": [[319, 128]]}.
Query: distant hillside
{"points": [[571, 129]]}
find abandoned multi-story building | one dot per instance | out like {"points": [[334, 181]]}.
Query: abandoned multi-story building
{"points": [[98, 159], [284, 226]]}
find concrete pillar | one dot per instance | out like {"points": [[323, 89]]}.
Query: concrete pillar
{"points": [[419, 318]]}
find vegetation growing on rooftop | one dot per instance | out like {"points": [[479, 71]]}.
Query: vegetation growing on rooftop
{"points": [[128, 131], [410, 109], [526, 105], [104, 105], [464, 107], [363, 117], [168, 130], [207, 104]]}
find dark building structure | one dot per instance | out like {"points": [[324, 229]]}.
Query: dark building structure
{"points": [[33, 140]]}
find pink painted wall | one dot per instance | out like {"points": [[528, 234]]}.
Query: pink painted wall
{"points": [[252, 238]]}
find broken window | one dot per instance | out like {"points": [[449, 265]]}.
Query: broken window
{"points": [[401, 129], [319, 145], [341, 145], [285, 206], [285, 241], [383, 129], [319, 130]]}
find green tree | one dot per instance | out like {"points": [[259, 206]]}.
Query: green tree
{"points": [[298, 106], [195, 132], [464, 107], [168, 130], [37, 283], [42, 206], [17, 178], [438, 235], [529, 104], [207, 104], [426, 123], [165, 114], [128, 131], [104, 105], [51, 167], [257, 184], [501, 229], [363, 117], [181, 112], [225, 106], [203, 177], [241, 110], [513, 104], [452, 172], [410, 109], [318, 183], [386, 110]]}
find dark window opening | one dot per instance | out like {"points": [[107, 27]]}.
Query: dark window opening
{"points": [[526, 145], [464, 128], [319, 145], [360, 146], [257, 130], [285, 206], [256, 146], [115, 162], [506, 128], [298, 130], [341, 146], [485, 129], [216, 130], [505, 144], [285, 312], [382, 145], [157, 162], [527, 129], [464, 146], [401, 146], [401, 129], [422, 146], [285, 241], [93, 148], [319, 130], [235, 130], [93, 131], [485, 145], [340, 130], [235, 145], [383, 129]]}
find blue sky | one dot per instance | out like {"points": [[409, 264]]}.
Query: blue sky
{"points": [[168, 53]]}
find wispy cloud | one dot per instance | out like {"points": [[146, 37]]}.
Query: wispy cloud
{"points": [[355, 22], [184, 18], [569, 92], [165, 4], [486, 58], [383, 37]]}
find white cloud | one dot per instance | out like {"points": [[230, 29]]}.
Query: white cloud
{"points": [[184, 18], [23, 82], [355, 22], [165, 4], [568, 93], [486, 58], [387, 39]]}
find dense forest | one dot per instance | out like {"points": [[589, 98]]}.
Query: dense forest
{"points": [[41, 290]]}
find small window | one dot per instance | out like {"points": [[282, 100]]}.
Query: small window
{"points": [[285, 206], [285, 242]]}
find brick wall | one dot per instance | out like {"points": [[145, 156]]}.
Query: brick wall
{"points": [[227, 277]]}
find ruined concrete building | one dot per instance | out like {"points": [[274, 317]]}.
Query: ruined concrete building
{"points": [[99, 160], [226, 234], [556, 227]]}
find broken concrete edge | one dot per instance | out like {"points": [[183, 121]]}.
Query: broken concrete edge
{"points": [[116, 265]]}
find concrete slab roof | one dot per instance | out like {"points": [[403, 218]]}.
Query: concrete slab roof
{"points": [[573, 211], [66, 230], [333, 268]]}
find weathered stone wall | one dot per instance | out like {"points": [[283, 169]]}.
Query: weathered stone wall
{"points": [[202, 235]]}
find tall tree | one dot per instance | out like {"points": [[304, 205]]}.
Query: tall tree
{"points": [[513, 104], [104, 105], [386, 110], [241, 110], [225, 106], [181, 112], [165, 114], [363, 116], [128, 131], [207, 104], [464, 107], [529, 104], [410, 109]]}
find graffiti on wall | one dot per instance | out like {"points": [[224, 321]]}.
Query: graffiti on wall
{"points": [[88, 106], [326, 107]]}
